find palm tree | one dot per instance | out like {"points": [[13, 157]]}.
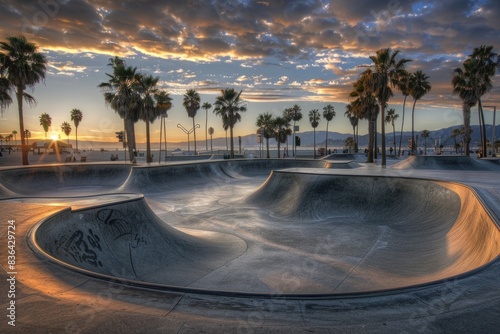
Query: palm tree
{"points": [[328, 114], [120, 92], [425, 134], [464, 83], [349, 143], [419, 86], [206, 106], [66, 128], [153, 106], [365, 107], [23, 67], [9, 138], [314, 120], [211, 132], [266, 122], [45, 122], [282, 131], [403, 85], [391, 117], [354, 123], [454, 134], [296, 116], [484, 67], [230, 104], [14, 132], [76, 117], [386, 71], [192, 105]]}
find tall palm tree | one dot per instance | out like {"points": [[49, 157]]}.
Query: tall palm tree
{"points": [[296, 115], [153, 106], [403, 84], [266, 122], [365, 107], [206, 106], [419, 86], [230, 104], [210, 133], [23, 67], [328, 114], [282, 131], [464, 84], [484, 66], [66, 128], [192, 105], [120, 92], [425, 134], [391, 117], [14, 132], [45, 122], [354, 123], [76, 117], [385, 73], [314, 118]]}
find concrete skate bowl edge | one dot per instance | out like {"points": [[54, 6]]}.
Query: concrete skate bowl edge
{"points": [[126, 242], [389, 232], [446, 162]]}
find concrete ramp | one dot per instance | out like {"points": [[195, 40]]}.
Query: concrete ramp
{"points": [[445, 162], [384, 233], [263, 167], [63, 179], [128, 242]]}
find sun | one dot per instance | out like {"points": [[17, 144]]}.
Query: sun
{"points": [[54, 137]]}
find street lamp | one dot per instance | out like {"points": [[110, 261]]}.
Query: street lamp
{"points": [[493, 154]]}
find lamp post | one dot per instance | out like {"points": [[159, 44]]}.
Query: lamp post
{"points": [[188, 132], [493, 154]]}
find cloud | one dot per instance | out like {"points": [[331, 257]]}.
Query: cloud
{"points": [[284, 42]]}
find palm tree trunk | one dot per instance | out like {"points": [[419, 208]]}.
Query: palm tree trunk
{"points": [[129, 129], [293, 140], [267, 148], [466, 115], [357, 137], [206, 129], [148, 144], [371, 134], [279, 149], [413, 143], [354, 136], [232, 143], [326, 142], [314, 143], [402, 124], [76, 136], [375, 141], [394, 132], [194, 136], [384, 158], [483, 128], [24, 149]]}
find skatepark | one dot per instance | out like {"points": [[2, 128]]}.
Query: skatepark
{"points": [[256, 245]]}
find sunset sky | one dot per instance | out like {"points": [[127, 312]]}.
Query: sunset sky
{"points": [[278, 52]]}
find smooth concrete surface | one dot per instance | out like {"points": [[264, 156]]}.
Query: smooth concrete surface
{"points": [[307, 239]]}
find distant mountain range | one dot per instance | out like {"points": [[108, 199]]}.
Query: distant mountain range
{"points": [[335, 139]]}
